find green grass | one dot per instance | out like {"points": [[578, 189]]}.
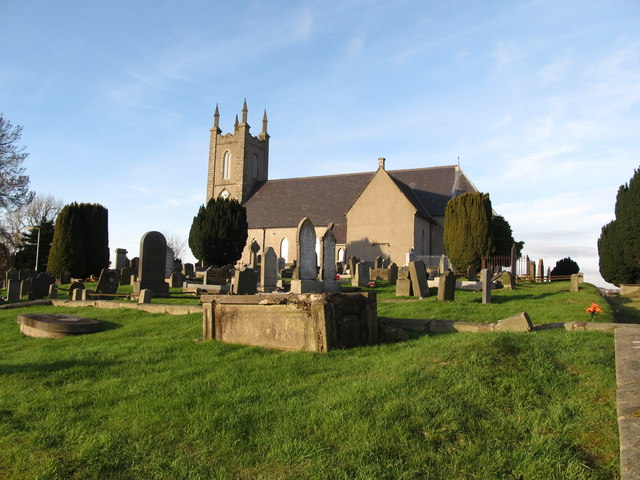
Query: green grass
{"points": [[143, 400], [626, 309], [545, 303]]}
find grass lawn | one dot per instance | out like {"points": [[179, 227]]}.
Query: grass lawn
{"points": [[143, 400]]}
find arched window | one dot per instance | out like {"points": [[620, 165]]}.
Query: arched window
{"points": [[226, 164], [255, 166], [341, 254], [284, 249]]}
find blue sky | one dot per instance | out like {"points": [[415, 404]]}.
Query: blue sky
{"points": [[540, 100]]}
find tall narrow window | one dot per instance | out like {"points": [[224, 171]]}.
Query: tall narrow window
{"points": [[255, 166], [226, 165], [284, 249]]}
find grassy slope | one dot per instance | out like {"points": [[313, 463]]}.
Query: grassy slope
{"points": [[142, 400]]}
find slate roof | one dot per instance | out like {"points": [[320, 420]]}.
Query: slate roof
{"points": [[283, 203]]}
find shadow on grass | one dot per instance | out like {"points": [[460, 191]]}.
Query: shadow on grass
{"points": [[625, 309], [46, 368]]}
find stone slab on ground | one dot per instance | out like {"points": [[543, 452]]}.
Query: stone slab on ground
{"points": [[56, 325], [411, 324], [518, 323]]}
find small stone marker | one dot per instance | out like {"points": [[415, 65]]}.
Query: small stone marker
{"points": [[517, 323], [126, 274], [485, 278], [393, 274], [417, 274], [245, 281], [54, 325], [76, 294], [145, 296], [403, 283], [447, 287], [575, 286], [506, 281], [25, 287], [176, 279], [269, 271], [53, 291], [13, 290]]}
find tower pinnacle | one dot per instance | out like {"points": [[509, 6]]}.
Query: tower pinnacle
{"points": [[244, 112]]}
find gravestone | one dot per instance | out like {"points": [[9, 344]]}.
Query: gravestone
{"points": [[575, 286], [527, 267], [75, 286], [580, 278], [485, 278], [514, 264], [188, 270], [152, 263], [361, 278], [442, 265], [245, 281], [472, 275], [328, 262], [447, 286], [135, 263], [13, 290], [25, 287], [403, 283], [532, 271], [145, 296], [121, 260], [76, 294], [269, 270], [40, 286], [253, 257], [306, 271], [169, 262], [410, 257], [353, 261], [176, 280], [53, 291], [65, 277], [417, 274], [12, 274], [377, 262], [126, 274], [548, 274], [108, 283], [506, 281], [541, 269], [393, 274]]}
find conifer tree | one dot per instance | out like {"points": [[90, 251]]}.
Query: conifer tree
{"points": [[219, 232], [467, 233], [38, 239], [619, 242], [566, 266]]}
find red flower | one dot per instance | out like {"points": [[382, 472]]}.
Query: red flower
{"points": [[593, 309], [372, 284]]}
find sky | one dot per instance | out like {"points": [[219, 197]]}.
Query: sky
{"points": [[539, 101]]}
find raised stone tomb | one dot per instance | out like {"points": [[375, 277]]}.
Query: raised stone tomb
{"points": [[55, 325]]}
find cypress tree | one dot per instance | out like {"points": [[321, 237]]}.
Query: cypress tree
{"points": [[619, 242], [219, 232], [566, 266], [467, 233]]}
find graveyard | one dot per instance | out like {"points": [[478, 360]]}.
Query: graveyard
{"points": [[146, 397]]}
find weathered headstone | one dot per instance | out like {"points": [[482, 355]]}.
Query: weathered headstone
{"points": [[151, 269], [410, 257], [13, 290], [169, 262], [353, 261], [393, 274], [25, 287], [532, 271], [245, 281], [53, 291], [472, 275], [548, 274], [328, 262], [377, 262], [417, 273], [75, 286], [108, 283], [121, 260], [442, 265], [580, 278], [575, 286], [447, 286], [76, 294], [361, 278], [40, 286], [485, 278], [541, 269], [145, 296], [176, 280], [506, 281], [527, 267], [188, 270], [253, 259], [306, 272], [403, 283], [269, 270], [126, 274], [65, 277], [135, 263], [12, 274], [514, 264], [517, 323]]}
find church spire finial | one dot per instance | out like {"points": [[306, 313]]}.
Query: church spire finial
{"points": [[235, 125], [216, 119], [244, 111], [264, 122]]}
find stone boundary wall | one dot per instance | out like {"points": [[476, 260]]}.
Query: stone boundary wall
{"points": [[630, 290]]}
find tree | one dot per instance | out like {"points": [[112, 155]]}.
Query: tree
{"points": [[619, 242], [566, 266], [42, 208], [80, 241], [177, 243], [467, 231], [14, 185], [502, 237], [219, 232], [39, 240]]}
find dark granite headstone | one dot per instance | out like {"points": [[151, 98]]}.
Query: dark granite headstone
{"points": [[151, 269], [108, 283], [393, 274], [245, 282], [417, 273], [40, 286], [13, 290]]}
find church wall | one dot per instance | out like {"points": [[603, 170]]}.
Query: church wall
{"points": [[380, 222], [422, 236], [437, 236]]}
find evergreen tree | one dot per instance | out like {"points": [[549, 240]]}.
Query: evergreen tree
{"points": [[219, 232], [80, 241], [502, 237], [467, 233], [619, 242], [566, 266], [25, 256]]}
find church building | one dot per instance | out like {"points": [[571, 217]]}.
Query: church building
{"points": [[383, 213]]}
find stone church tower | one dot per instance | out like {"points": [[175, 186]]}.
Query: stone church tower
{"points": [[237, 161]]}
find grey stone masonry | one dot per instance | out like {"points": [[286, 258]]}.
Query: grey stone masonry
{"points": [[485, 278]]}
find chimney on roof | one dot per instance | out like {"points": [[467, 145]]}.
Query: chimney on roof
{"points": [[381, 161]]}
